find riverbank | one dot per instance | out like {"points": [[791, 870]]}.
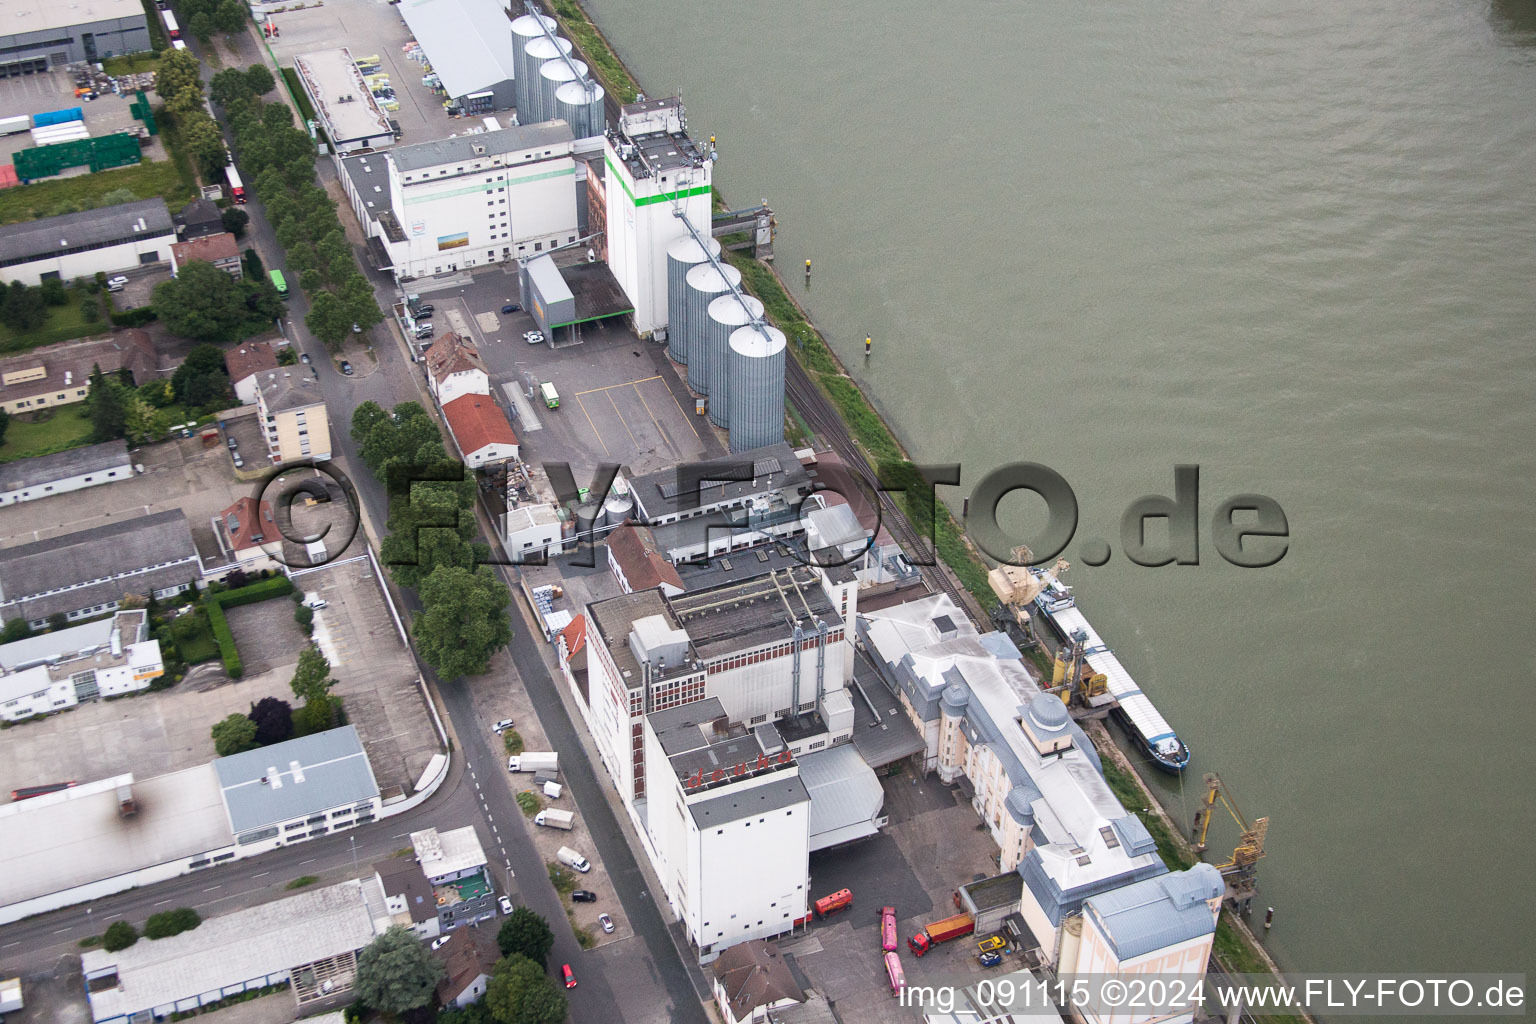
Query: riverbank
{"points": [[1237, 950]]}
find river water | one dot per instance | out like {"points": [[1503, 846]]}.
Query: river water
{"points": [[1294, 244]]}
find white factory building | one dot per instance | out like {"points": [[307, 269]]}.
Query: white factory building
{"points": [[652, 170], [348, 114], [70, 470], [71, 245], [56, 671], [36, 36], [488, 197]]}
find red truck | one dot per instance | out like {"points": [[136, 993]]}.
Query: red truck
{"points": [[941, 931]]}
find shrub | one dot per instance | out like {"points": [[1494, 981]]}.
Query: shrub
{"points": [[512, 741], [119, 935], [529, 801], [251, 593], [305, 617], [134, 317], [171, 922], [233, 666]]}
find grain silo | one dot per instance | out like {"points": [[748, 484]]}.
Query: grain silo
{"points": [[682, 256], [619, 506], [551, 77], [757, 387], [705, 283], [524, 31], [726, 314], [529, 89], [580, 105]]}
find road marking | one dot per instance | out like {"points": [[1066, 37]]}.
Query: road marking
{"points": [[622, 420], [310, 861], [60, 931], [8, 945], [264, 873], [213, 887], [111, 916], [493, 828], [610, 387], [595, 431], [162, 903]]}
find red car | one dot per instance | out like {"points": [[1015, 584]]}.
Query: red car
{"points": [[570, 979]]}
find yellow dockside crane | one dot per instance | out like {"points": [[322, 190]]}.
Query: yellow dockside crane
{"points": [[1016, 587], [1240, 870]]}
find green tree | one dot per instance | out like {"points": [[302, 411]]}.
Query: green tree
{"points": [[57, 621], [90, 310], [138, 416], [317, 715], [201, 25], [527, 933], [24, 309], [109, 419], [203, 142], [365, 417], [234, 220], [201, 302], [171, 922], [312, 675], [395, 973], [521, 993], [328, 319], [54, 292], [5, 421], [463, 622], [250, 260], [261, 82], [228, 87], [16, 629], [177, 72], [358, 298], [234, 734], [119, 935], [231, 17]]}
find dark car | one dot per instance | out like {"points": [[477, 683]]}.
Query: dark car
{"points": [[346, 368], [991, 958], [584, 896], [425, 309], [511, 307]]}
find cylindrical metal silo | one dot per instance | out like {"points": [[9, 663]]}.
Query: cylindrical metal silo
{"points": [[589, 517], [524, 31], [580, 104], [529, 88], [552, 75], [682, 256], [725, 315], [705, 283], [619, 507], [757, 387]]}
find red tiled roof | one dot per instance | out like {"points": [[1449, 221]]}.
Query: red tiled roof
{"points": [[476, 422], [575, 635], [452, 354], [245, 528], [468, 953], [252, 357], [634, 548], [211, 248]]}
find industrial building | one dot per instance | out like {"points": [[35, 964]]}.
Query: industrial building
{"points": [[653, 171], [549, 83], [309, 941], [294, 420], [70, 470], [36, 36], [87, 573], [55, 671], [107, 241], [487, 197], [530, 532], [348, 114], [298, 789], [474, 66], [562, 299], [60, 374]]}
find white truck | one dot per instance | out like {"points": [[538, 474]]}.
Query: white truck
{"points": [[571, 859], [552, 817], [533, 761]]}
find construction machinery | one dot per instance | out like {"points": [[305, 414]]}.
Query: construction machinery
{"points": [[1240, 870]]}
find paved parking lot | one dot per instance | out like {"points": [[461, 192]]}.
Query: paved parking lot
{"points": [[141, 285]]}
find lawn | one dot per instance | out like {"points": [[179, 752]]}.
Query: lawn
{"points": [[64, 323], [88, 191], [199, 646], [65, 426], [132, 63]]}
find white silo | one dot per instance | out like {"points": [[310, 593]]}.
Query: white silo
{"points": [[757, 387], [619, 506], [529, 89], [682, 256], [524, 31], [551, 77], [725, 315], [580, 105], [704, 284]]}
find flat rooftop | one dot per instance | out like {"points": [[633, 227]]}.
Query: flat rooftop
{"points": [[744, 614], [69, 838], [341, 94], [738, 565], [297, 777], [659, 137], [613, 620], [596, 292], [774, 468]]}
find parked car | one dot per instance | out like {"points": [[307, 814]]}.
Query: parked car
{"points": [[569, 975], [606, 922], [506, 904], [533, 337], [346, 368], [441, 941], [511, 307], [502, 726], [117, 281], [584, 896], [423, 333], [425, 309], [991, 958], [233, 444], [357, 329], [239, 462], [304, 358]]}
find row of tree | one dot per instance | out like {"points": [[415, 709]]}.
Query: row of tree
{"points": [[204, 17], [431, 544], [179, 84], [279, 163]]}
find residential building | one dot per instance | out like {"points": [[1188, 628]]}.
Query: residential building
{"points": [[728, 825], [246, 363], [71, 245], [653, 170], [529, 532], [469, 956], [58, 670], [299, 789], [70, 470], [480, 430], [636, 564], [444, 206], [198, 218], [309, 942], [221, 250], [293, 416], [751, 980], [454, 368], [343, 102], [60, 374], [36, 36], [408, 896], [87, 573], [248, 534], [454, 865]]}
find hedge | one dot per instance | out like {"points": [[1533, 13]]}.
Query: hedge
{"points": [[171, 922], [233, 666], [264, 590], [136, 317]]}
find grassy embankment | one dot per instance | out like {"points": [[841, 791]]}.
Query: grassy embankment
{"points": [[49, 198]]}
